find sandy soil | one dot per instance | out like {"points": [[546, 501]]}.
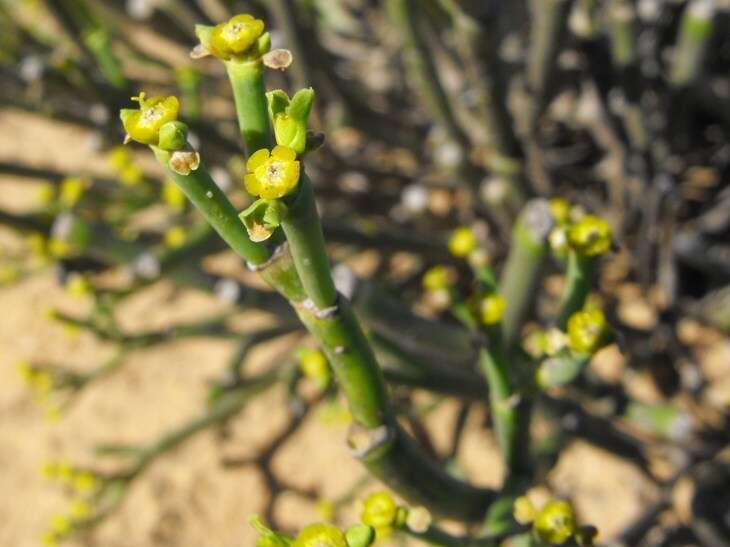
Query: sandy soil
{"points": [[186, 498]]}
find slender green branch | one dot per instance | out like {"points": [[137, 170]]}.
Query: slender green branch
{"points": [[249, 93]]}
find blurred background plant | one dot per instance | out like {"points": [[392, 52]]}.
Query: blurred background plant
{"points": [[526, 203]]}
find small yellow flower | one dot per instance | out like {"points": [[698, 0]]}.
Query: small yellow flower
{"points": [[83, 481], [72, 188], [131, 175], [77, 285], [590, 236], [173, 196], [61, 524], [379, 511], [326, 509], [272, 175], [313, 364], [560, 209], [588, 331], [49, 539], [438, 278], [79, 509], [59, 248], [235, 36], [491, 309], [37, 244], [143, 124], [320, 535], [555, 523], [462, 242], [175, 237], [524, 511], [119, 157], [45, 193]]}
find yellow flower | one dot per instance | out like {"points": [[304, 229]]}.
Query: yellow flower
{"points": [[320, 535], [379, 511], [235, 36], [524, 511], [560, 209], [272, 175], [61, 524], [314, 365], [131, 175], [555, 523], [119, 157], [79, 509], [83, 481], [143, 124], [72, 188], [588, 331], [45, 193], [438, 278], [37, 244], [77, 285], [462, 242], [59, 248], [173, 196], [491, 309], [590, 236], [175, 237]]}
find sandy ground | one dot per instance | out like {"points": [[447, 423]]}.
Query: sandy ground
{"points": [[186, 498]]}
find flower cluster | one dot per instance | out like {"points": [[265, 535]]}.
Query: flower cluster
{"points": [[554, 523], [242, 37], [272, 175], [144, 124], [586, 235]]}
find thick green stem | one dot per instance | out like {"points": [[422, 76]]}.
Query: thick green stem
{"points": [[306, 242], [205, 194], [581, 275], [523, 270], [249, 93], [694, 37]]}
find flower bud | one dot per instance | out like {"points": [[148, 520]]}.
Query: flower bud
{"points": [[491, 309], [184, 162], [590, 236], [272, 175], [524, 511], [560, 209], [379, 510], [360, 535], [462, 242], [438, 278], [555, 523], [320, 535], [418, 519], [290, 117], [588, 331], [173, 136], [262, 218]]}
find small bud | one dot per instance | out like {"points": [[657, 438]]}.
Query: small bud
{"points": [[462, 242], [173, 136], [555, 523], [560, 209], [524, 511], [491, 309], [360, 535], [590, 236], [588, 331], [290, 117], [379, 510], [438, 278], [320, 535], [184, 162], [272, 175], [262, 218]]}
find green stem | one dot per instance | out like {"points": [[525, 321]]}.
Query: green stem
{"points": [[306, 242], [249, 93], [205, 194], [581, 275], [694, 37], [523, 270]]}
